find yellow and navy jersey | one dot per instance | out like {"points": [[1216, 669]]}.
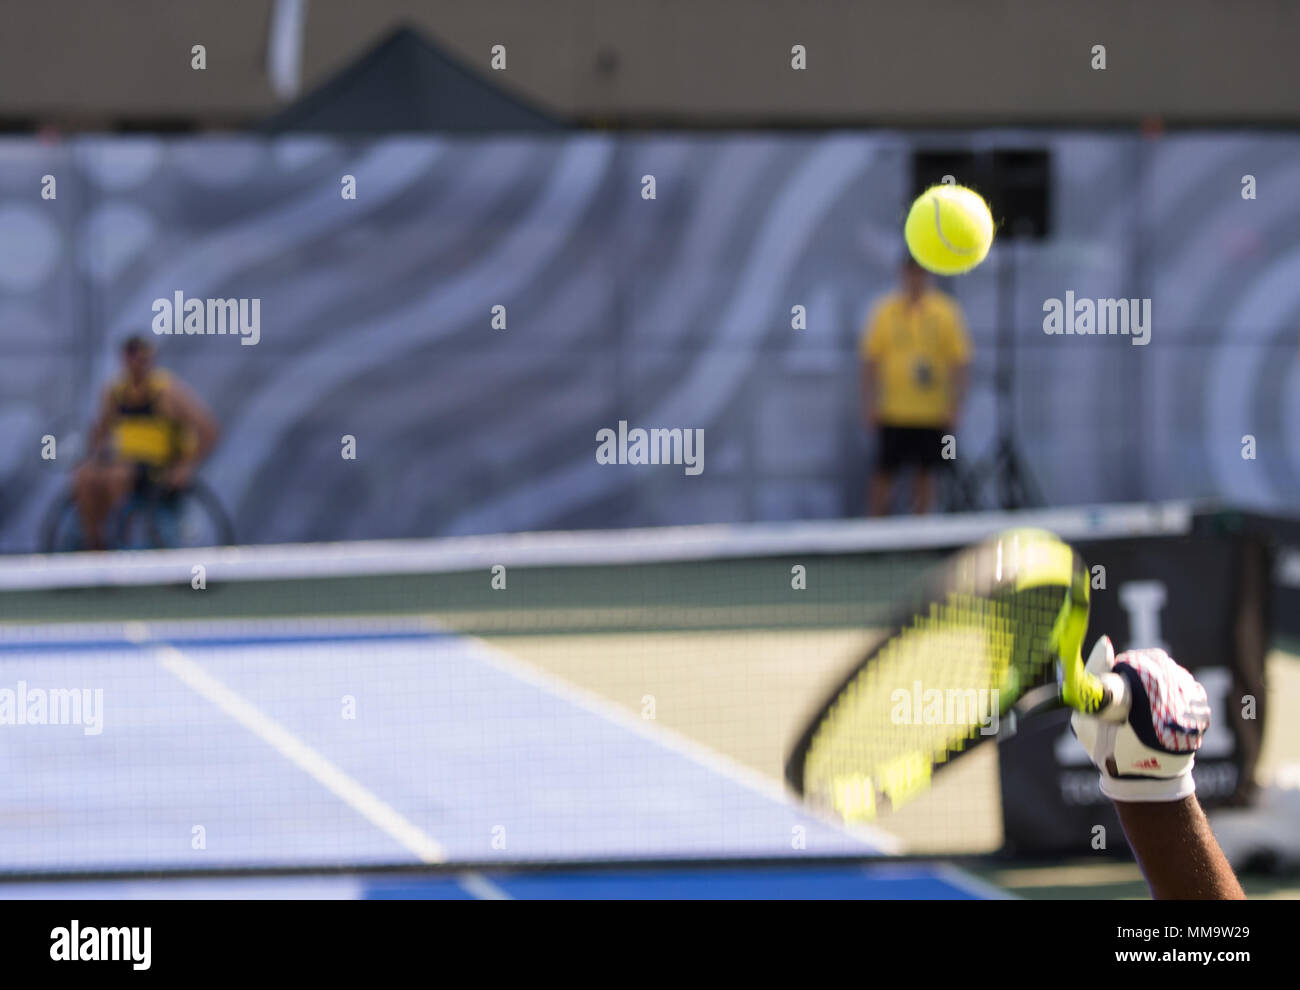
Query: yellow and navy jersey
{"points": [[141, 432], [916, 347]]}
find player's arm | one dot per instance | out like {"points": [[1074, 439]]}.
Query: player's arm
{"points": [[100, 426], [189, 410], [870, 346], [1177, 851], [1146, 770], [960, 353], [958, 381], [868, 372]]}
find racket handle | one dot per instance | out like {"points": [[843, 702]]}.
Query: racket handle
{"points": [[1118, 699]]}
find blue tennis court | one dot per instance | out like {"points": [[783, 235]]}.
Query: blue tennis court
{"points": [[365, 742]]}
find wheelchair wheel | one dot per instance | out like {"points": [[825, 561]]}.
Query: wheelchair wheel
{"points": [[61, 530], [135, 527], [196, 518], [168, 520]]}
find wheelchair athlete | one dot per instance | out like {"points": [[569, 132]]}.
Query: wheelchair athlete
{"points": [[151, 431]]}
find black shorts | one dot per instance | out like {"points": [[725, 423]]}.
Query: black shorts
{"points": [[146, 477], [910, 446]]}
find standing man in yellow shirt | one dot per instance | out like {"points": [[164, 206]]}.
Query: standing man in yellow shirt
{"points": [[915, 355]]}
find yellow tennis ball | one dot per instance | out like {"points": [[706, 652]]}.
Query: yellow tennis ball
{"points": [[949, 229]]}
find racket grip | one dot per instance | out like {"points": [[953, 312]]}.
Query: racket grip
{"points": [[1118, 699]]}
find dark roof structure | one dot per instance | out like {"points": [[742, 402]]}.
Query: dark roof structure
{"points": [[407, 84]]}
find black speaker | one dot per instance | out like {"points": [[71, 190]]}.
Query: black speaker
{"points": [[1016, 182], [1022, 183], [929, 168]]}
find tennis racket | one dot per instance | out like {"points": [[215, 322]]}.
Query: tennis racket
{"points": [[991, 626]]}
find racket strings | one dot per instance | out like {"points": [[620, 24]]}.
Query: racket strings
{"points": [[935, 689]]}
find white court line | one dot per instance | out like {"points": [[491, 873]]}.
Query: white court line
{"points": [[368, 804], [482, 888], [970, 883]]}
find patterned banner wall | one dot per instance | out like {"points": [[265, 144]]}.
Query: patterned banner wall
{"points": [[376, 321]]}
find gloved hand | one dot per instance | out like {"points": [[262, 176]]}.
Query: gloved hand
{"points": [[1149, 757]]}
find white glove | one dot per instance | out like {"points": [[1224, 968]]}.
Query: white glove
{"points": [[1150, 756]]}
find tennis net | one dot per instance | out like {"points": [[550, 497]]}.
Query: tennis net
{"points": [[529, 698]]}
